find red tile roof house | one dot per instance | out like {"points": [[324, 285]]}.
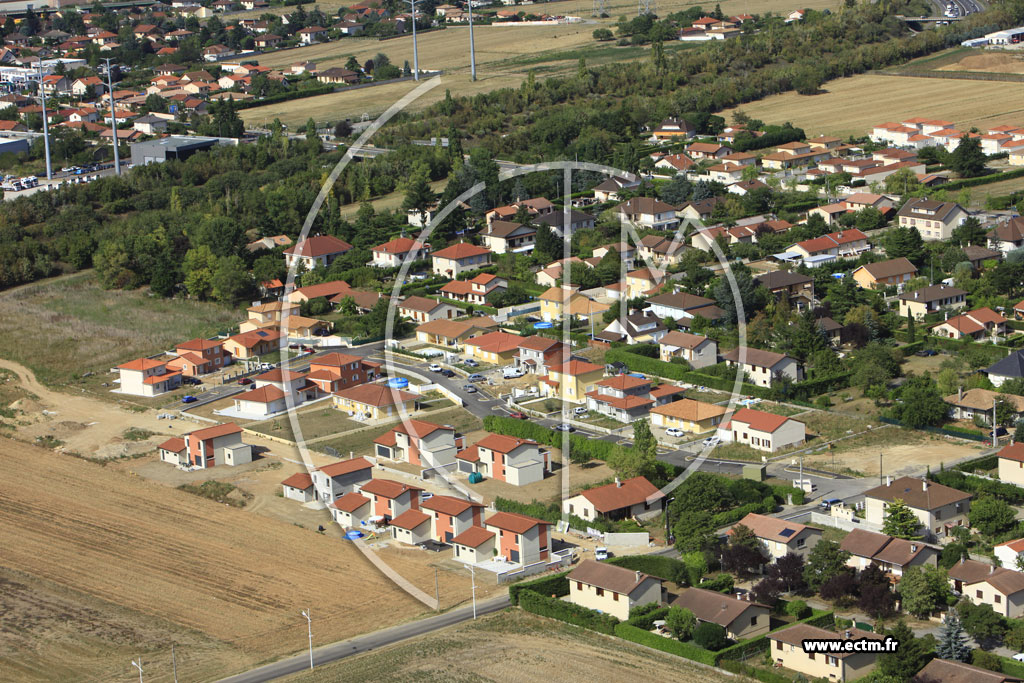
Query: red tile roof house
{"points": [[762, 431], [619, 500], [474, 291], [611, 589], [514, 461], [352, 510], [780, 537], [891, 555], [318, 250], [1009, 552], [451, 516], [764, 367], [374, 401], [392, 254], [391, 498], [977, 324], [199, 357], [474, 545], [412, 527], [459, 258], [147, 377], [419, 443], [330, 482], [333, 372], [624, 398], [259, 402], [538, 354], [203, 448], [424, 310], [520, 539], [298, 487], [289, 382]]}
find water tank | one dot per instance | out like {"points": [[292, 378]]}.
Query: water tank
{"points": [[475, 477]]}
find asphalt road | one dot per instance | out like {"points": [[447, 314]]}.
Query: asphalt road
{"points": [[372, 641]]}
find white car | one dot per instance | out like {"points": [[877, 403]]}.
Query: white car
{"points": [[434, 367], [580, 410], [675, 432], [711, 441], [601, 553], [1019, 657]]}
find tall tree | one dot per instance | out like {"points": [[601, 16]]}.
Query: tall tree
{"points": [[967, 160], [825, 560], [952, 641], [923, 590], [547, 245], [419, 197], [900, 521], [969, 232]]}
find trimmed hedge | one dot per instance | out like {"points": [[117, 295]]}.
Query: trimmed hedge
{"points": [[646, 621], [670, 645], [727, 517], [984, 180], [549, 585], [1014, 495], [567, 612], [959, 432], [753, 672], [524, 429], [284, 97], [659, 566], [745, 648], [986, 462], [722, 583]]}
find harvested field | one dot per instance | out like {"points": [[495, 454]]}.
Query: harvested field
{"points": [[514, 646], [850, 106], [989, 62], [233, 580]]}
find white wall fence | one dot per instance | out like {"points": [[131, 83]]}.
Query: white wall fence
{"points": [[561, 558], [632, 538], [844, 524]]}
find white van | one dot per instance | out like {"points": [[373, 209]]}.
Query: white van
{"points": [[512, 372]]}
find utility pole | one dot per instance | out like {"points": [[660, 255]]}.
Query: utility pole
{"points": [[437, 595], [472, 572], [309, 625], [46, 127], [138, 665], [174, 664], [994, 438], [415, 51], [113, 119], [880, 482], [472, 49]]}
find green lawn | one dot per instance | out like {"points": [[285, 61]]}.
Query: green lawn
{"points": [[67, 326]]}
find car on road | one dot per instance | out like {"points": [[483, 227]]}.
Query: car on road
{"points": [[711, 441], [674, 432], [244, 381], [470, 363], [829, 503], [434, 367], [189, 399], [469, 389], [476, 377], [447, 373], [518, 415], [563, 427]]}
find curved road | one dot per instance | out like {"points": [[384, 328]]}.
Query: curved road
{"points": [[372, 641]]}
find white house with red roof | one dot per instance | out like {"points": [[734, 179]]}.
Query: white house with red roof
{"points": [[518, 538], [618, 500], [762, 431], [420, 443], [289, 382], [317, 250], [332, 481], [411, 527], [1009, 552], [204, 448], [259, 402], [199, 357], [845, 243], [392, 254], [352, 510], [476, 290], [537, 354], [391, 498], [147, 377], [474, 545], [298, 486], [333, 372], [977, 324], [514, 461], [451, 516], [627, 398], [453, 261], [420, 309]]}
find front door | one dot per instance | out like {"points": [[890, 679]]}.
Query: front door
{"points": [[448, 536], [513, 555]]}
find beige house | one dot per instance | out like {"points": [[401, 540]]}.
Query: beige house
{"points": [[741, 618], [460, 258], [497, 347], [617, 500], [763, 431], [424, 310], [697, 350], [939, 508], [933, 220], [890, 554], [640, 282], [984, 584], [647, 212], [317, 250], [451, 333], [931, 299], [786, 648], [1011, 464], [965, 405], [763, 368], [958, 672], [894, 272], [571, 381], [694, 417], [610, 589], [147, 377], [781, 537], [374, 401]]}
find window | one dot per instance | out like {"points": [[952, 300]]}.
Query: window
{"points": [[600, 592], [832, 661], [810, 655], [998, 598], [778, 644], [977, 594], [571, 511], [579, 585], [753, 621], [615, 597]]}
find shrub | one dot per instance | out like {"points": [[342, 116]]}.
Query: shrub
{"points": [[644, 616], [710, 636], [667, 568], [670, 645], [567, 612], [987, 660], [556, 585], [752, 672], [723, 583], [798, 609]]}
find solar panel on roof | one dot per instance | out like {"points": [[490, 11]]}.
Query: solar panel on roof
{"points": [[786, 532]]}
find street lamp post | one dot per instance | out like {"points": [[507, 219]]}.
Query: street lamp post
{"points": [[46, 128], [472, 50], [309, 625], [415, 50]]}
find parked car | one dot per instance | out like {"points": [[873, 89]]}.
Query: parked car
{"points": [[512, 373], [191, 380], [563, 427], [711, 441], [426, 495], [476, 377], [674, 432], [469, 389], [434, 367], [1019, 656], [926, 352], [581, 410], [518, 415], [828, 503], [189, 399], [470, 363], [601, 553], [447, 373], [244, 381]]}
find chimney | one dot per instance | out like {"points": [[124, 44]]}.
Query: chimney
{"points": [[924, 484], [913, 547], [849, 634], [639, 575], [888, 480], [618, 483], [960, 393], [917, 294], [991, 569]]}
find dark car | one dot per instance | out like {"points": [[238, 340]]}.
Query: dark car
{"points": [[446, 373], [244, 381], [927, 352], [191, 380], [189, 399], [517, 415]]}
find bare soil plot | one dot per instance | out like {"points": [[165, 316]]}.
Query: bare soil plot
{"points": [[897, 459], [514, 646], [990, 62], [851, 106], [221, 572]]}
